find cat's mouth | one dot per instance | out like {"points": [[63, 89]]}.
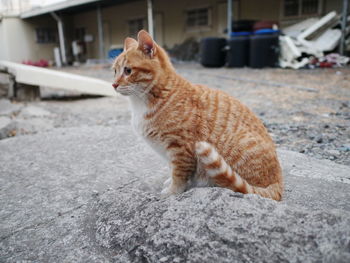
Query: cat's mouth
{"points": [[122, 90]]}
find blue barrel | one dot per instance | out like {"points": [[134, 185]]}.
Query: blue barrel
{"points": [[113, 53]]}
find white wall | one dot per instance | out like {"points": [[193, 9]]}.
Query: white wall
{"points": [[4, 52], [18, 40]]}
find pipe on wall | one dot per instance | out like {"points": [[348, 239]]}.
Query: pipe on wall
{"points": [[100, 33], [61, 37], [343, 26], [229, 18], [150, 18]]}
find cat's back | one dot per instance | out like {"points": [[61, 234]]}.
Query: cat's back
{"points": [[224, 112]]}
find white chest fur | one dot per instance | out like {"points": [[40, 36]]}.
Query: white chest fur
{"points": [[139, 109]]}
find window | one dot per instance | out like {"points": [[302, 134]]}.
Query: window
{"points": [[197, 18], [309, 7], [301, 7], [46, 35], [135, 26], [291, 7]]}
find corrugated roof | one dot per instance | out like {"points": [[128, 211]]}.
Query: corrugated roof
{"points": [[56, 7]]}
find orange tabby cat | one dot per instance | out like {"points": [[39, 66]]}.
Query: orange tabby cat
{"points": [[208, 137]]}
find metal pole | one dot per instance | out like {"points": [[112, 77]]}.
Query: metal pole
{"points": [[100, 33], [229, 18], [61, 37], [343, 25], [150, 17]]}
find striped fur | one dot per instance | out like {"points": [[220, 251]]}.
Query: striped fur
{"points": [[179, 119]]}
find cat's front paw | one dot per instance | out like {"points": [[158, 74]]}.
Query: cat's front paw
{"points": [[165, 192], [167, 182], [171, 189]]}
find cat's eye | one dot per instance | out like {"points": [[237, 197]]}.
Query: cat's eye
{"points": [[127, 71], [115, 72]]}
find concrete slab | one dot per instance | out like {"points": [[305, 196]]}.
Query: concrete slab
{"points": [[36, 76], [72, 195]]}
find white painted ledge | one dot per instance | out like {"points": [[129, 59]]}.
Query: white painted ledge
{"points": [[55, 79]]}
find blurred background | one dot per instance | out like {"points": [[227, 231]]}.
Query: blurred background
{"points": [[58, 32]]}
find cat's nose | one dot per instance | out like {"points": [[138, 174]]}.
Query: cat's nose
{"points": [[115, 85]]}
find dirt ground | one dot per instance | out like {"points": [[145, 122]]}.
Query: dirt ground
{"points": [[304, 110]]}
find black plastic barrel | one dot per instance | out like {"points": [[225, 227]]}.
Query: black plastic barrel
{"points": [[238, 52], [212, 52], [264, 51]]}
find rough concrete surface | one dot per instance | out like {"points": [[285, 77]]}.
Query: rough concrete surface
{"points": [[20, 118], [210, 225], [76, 185], [63, 111], [6, 125], [8, 108], [91, 194]]}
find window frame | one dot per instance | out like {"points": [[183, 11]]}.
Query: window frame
{"points": [[300, 15], [51, 37], [144, 25], [197, 27]]}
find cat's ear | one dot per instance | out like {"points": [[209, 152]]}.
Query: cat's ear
{"points": [[146, 43], [129, 42]]}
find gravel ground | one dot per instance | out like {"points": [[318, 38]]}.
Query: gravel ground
{"points": [[307, 111]]}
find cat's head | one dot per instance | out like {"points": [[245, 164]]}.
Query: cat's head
{"points": [[139, 67]]}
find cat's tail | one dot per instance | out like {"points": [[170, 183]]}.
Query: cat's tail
{"points": [[222, 174]]}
